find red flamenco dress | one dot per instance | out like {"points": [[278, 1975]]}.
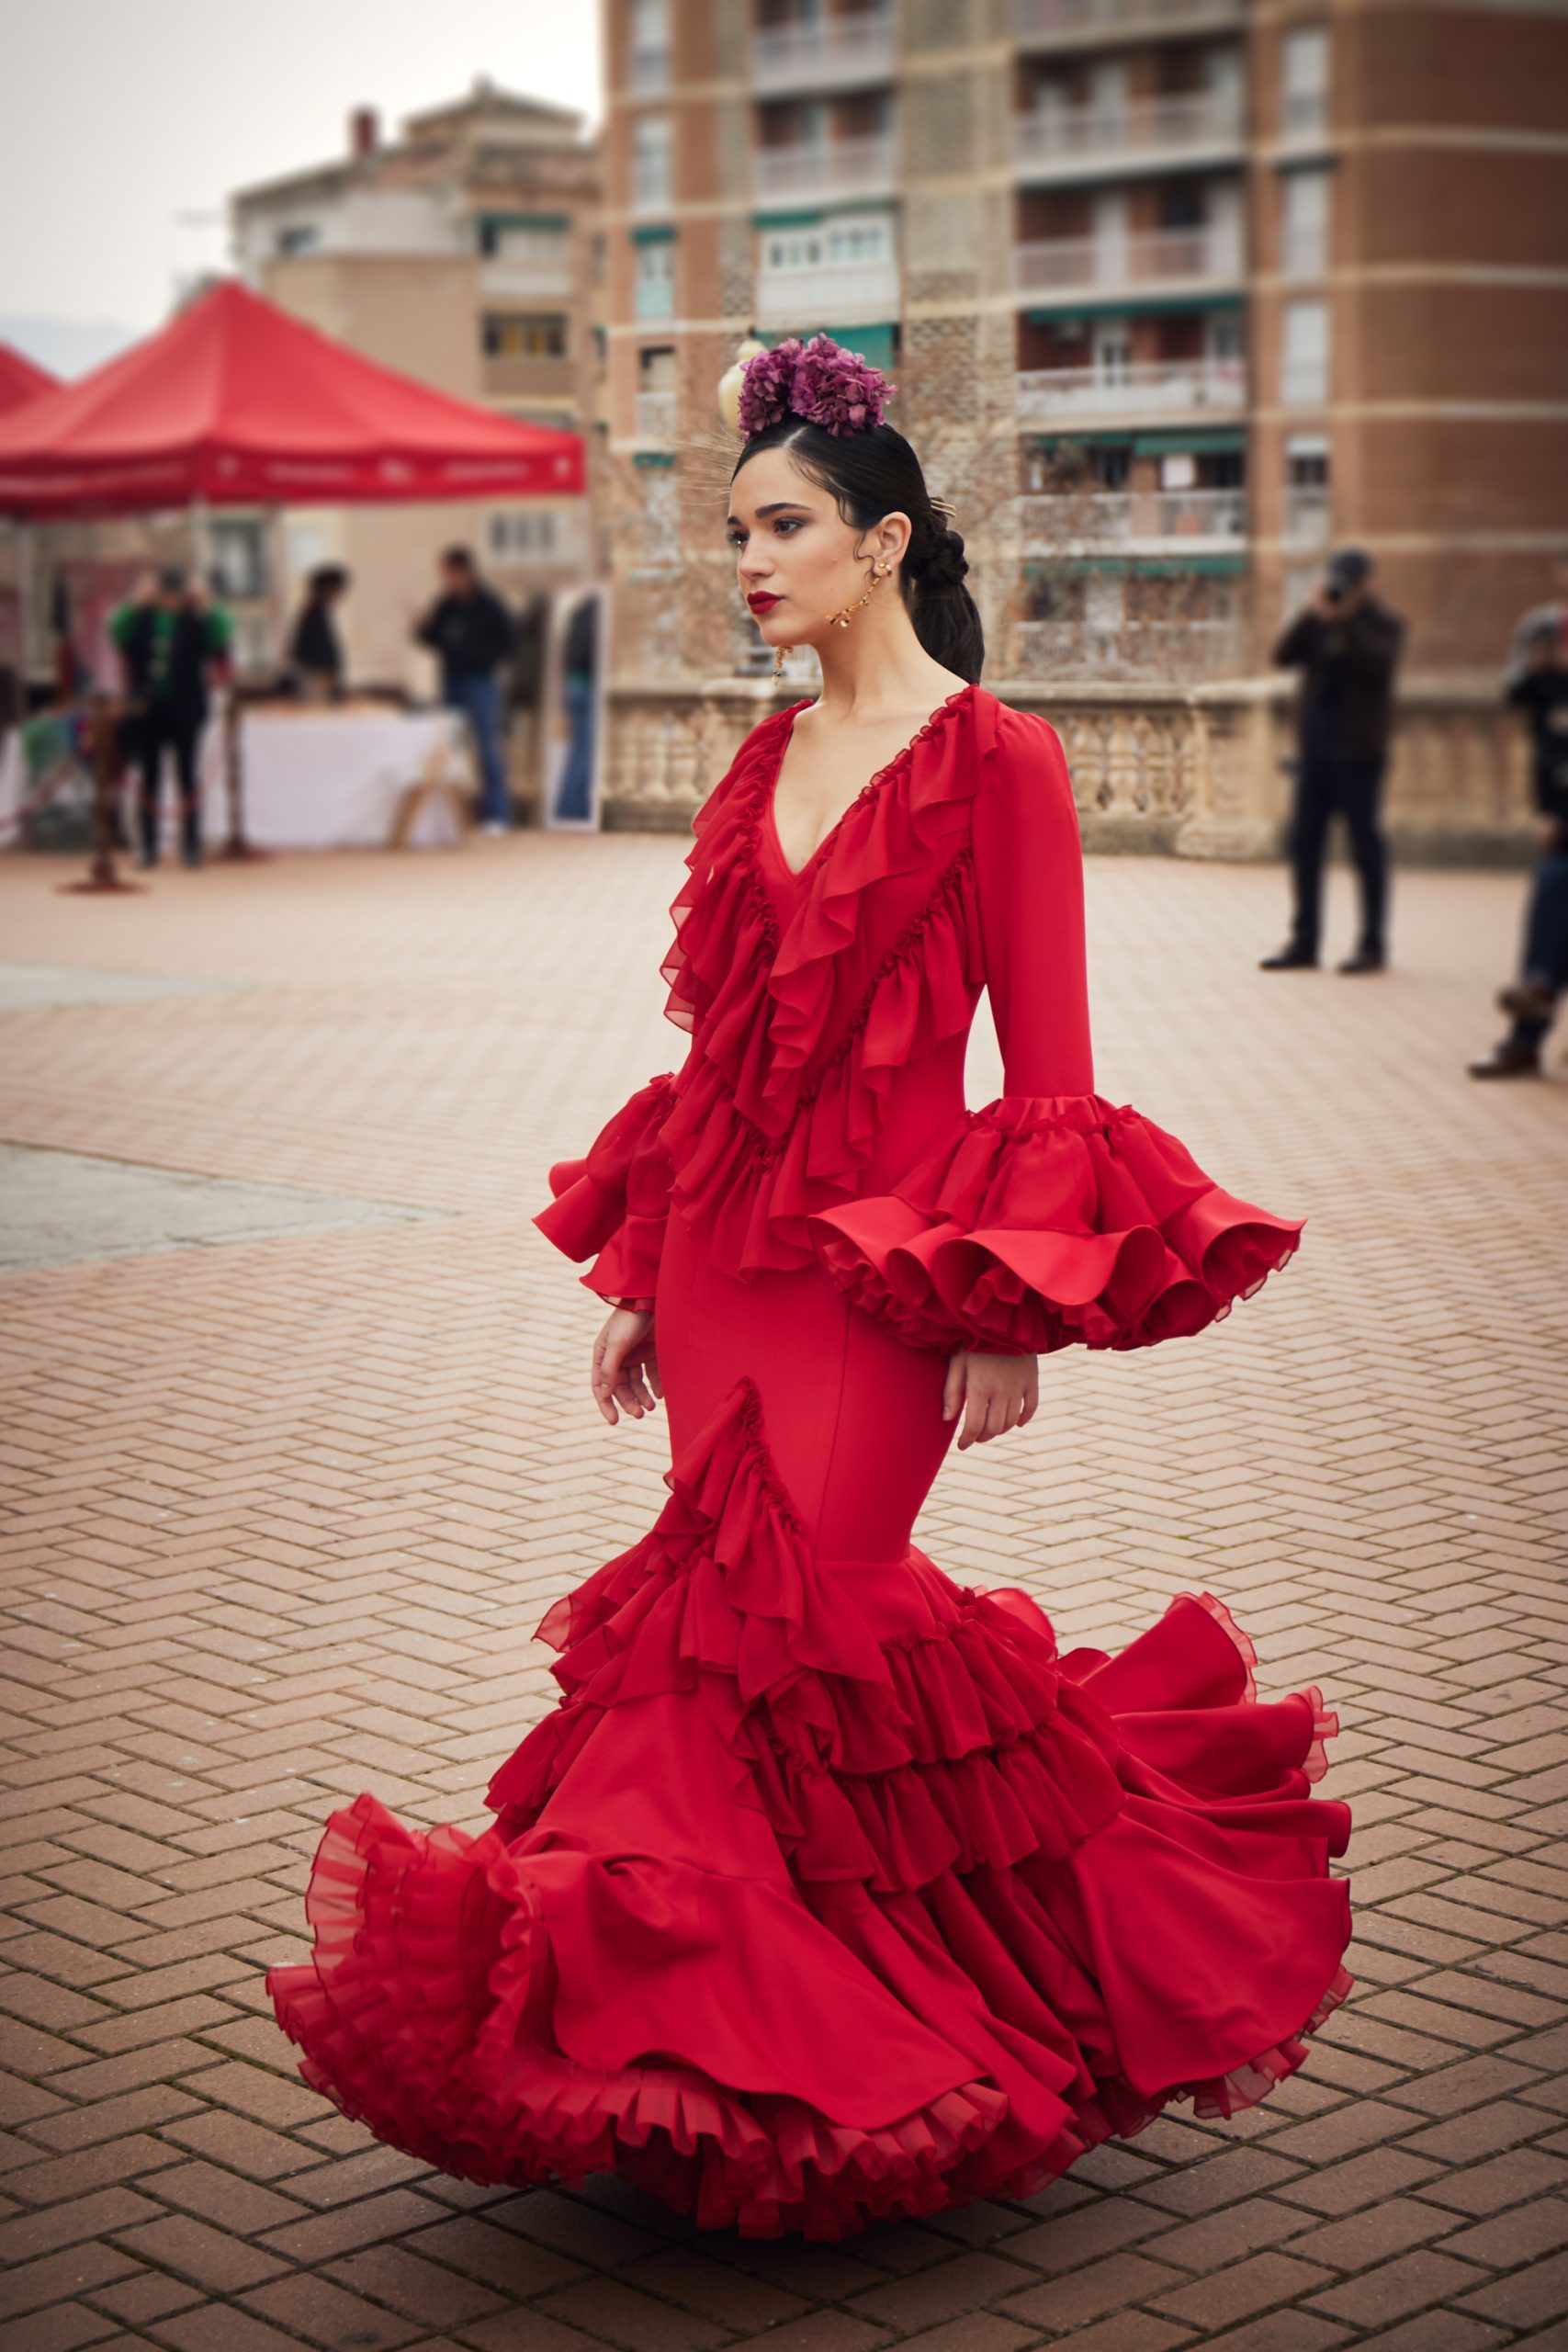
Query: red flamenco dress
{"points": [[831, 1889]]}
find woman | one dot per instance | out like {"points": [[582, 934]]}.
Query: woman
{"points": [[315, 647], [830, 1890]]}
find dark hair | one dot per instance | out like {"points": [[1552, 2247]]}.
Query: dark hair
{"points": [[458, 559], [328, 580], [873, 473]]}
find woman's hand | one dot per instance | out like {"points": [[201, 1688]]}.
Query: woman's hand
{"points": [[625, 1365], [1000, 1392]]}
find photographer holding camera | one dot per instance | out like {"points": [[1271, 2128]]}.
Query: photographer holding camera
{"points": [[1347, 645]]}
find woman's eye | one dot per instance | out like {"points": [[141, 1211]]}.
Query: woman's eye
{"points": [[736, 538], [788, 523]]}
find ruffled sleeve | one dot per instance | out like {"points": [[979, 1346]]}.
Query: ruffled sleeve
{"points": [[1052, 1217], [615, 1201]]}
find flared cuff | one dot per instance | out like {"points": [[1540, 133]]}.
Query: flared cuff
{"points": [[615, 1201], [1052, 1221]]}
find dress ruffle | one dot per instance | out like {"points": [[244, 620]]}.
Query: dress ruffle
{"points": [[1046, 1221], [799, 1030], [830, 1890], [615, 1201]]}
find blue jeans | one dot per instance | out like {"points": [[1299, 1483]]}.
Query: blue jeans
{"points": [[1544, 956], [576, 795], [478, 699]]}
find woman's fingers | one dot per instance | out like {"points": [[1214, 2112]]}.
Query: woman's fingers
{"points": [[952, 1388]]}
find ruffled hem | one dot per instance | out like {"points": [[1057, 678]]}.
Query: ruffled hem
{"points": [[615, 1201], [670, 1958], [1048, 1221]]}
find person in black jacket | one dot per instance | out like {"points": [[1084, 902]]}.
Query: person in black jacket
{"points": [[472, 633], [170, 643], [1347, 645], [1538, 685], [315, 649]]}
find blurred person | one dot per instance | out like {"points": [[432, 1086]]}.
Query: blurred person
{"points": [[316, 664], [1347, 645], [472, 633], [1551, 618], [579, 665], [172, 644], [1538, 685]]}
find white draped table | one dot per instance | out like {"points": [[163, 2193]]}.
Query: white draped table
{"points": [[336, 777]]}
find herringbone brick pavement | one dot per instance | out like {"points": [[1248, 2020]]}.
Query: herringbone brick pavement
{"points": [[283, 1513]]}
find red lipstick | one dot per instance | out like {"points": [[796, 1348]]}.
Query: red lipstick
{"points": [[762, 602]]}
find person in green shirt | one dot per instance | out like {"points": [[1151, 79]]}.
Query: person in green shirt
{"points": [[172, 645]]}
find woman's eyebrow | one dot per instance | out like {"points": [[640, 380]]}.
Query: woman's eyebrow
{"points": [[779, 506]]}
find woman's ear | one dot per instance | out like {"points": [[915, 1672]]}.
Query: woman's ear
{"points": [[890, 541]]}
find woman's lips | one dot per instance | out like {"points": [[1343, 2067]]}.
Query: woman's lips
{"points": [[762, 602]]}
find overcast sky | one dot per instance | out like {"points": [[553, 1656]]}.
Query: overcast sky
{"points": [[121, 119]]}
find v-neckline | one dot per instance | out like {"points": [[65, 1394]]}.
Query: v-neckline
{"points": [[872, 784]]}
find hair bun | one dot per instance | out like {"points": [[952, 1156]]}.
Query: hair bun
{"points": [[944, 563]]}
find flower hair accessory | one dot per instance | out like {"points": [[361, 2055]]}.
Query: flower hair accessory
{"points": [[818, 381]]}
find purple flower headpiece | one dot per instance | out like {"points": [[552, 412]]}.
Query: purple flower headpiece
{"points": [[817, 380]]}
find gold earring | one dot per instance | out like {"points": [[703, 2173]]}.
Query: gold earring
{"points": [[778, 664], [879, 572]]}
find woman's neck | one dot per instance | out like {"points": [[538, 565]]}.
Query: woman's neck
{"points": [[878, 666]]}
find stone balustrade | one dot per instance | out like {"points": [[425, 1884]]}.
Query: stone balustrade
{"points": [[1184, 771]]}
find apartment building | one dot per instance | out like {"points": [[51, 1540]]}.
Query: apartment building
{"points": [[462, 252], [1176, 293]]}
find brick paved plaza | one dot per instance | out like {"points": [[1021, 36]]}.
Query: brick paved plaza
{"points": [[297, 1446]]}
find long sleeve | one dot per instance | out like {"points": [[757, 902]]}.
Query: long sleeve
{"points": [[1029, 888], [1051, 1217], [616, 1200]]}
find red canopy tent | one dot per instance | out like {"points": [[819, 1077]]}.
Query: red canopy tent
{"points": [[20, 380], [235, 403]]}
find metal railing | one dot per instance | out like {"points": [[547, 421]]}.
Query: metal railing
{"points": [[819, 167], [1163, 386], [1113, 517], [1149, 256], [656, 416], [841, 50], [826, 290], [1065, 136], [1048, 18]]}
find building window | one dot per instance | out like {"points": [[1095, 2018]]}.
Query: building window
{"points": [[302, 238], [1306, 509], [527, 533], [648, 23], [526, 335], [653, 150], [849, 243], [654, 280], [1303, 81], [1303, 224], [1304, 359]]}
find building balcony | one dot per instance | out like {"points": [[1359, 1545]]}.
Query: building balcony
{"points": [[523, 376], [1134, 521], [524, 279], [652, 187], [1064, 143], [1094, 23], [1304, 519], [656, 416], [1190, 258], [842, 52], [1178, 651], [1151, 388], [817, 169], [833, 293]]}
